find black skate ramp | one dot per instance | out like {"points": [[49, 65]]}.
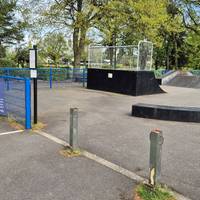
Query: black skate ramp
{"points": [[169, 113], [128, 82], [185, 81]]}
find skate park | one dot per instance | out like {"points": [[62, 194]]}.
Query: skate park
{"points": [[99, 100], [108, 129]]}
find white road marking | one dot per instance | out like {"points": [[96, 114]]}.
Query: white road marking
{"points": [[106, 163], [11, 132]]}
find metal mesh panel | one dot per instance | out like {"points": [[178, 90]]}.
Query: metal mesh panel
{"points": [[134, 57], [54, 77], [16, 72], [50, 77], [13, 95], [116, 57], [145, 55]]}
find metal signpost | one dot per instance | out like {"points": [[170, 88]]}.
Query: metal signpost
{"points": [[33, 71]]}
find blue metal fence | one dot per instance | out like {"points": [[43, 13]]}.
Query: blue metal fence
{"points": [[16, 99], [16, 72], [51, 77], [62, 76]]}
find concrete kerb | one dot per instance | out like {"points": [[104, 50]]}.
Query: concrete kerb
{"points": [[106, 163]]}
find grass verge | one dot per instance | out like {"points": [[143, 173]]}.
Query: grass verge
{"points": [[145, 192]]}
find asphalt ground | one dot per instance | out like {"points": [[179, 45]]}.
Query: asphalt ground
{"points": [[107, 129], [31, 168]]}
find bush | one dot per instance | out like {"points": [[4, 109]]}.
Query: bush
{"points": [[4, 62]]}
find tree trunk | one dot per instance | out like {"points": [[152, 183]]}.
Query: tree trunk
{"points": [[156, 62], [78, 38], [175, 52], [167, 56], [76, 47], [112, 52]]}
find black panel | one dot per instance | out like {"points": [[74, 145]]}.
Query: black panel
{"points": [[159, 81], [170, 113], [125, 82]]}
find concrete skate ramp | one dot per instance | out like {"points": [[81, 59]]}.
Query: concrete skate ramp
{"points": [[169, 113], [185, 81]]}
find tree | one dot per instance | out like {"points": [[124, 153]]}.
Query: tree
{"points": [[189, 10], [76, 15], [53, 47], [193, 49], [22, 56], [127, 22], [167, 23], [11, 28]]}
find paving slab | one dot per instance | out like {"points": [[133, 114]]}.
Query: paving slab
{"points": [[31, 168], [106, 128]]}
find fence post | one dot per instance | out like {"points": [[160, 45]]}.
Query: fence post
{"points": [[83, 77], [73, 138], [7, 72], [156, 141], [73, 74], [50, 77], [27, 103], [7, 81]]}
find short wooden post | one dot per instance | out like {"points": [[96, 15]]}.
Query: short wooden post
{"points": [[73, 128], [156, 141]]}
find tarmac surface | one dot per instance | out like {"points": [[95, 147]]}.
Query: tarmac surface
{"points": [[107, 129], [31, 168]]}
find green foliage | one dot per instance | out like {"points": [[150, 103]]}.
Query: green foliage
{"points": [[11, 28], [22, 56], [193, 42], [172, 25], [2, 51], [78, 16], [158, 193], [4, 62], [53, 48]]}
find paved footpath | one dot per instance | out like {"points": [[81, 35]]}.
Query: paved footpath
{"points": [[31, 168]]}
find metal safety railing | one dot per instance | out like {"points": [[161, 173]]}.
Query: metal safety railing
{"points": [[50, 76]]}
